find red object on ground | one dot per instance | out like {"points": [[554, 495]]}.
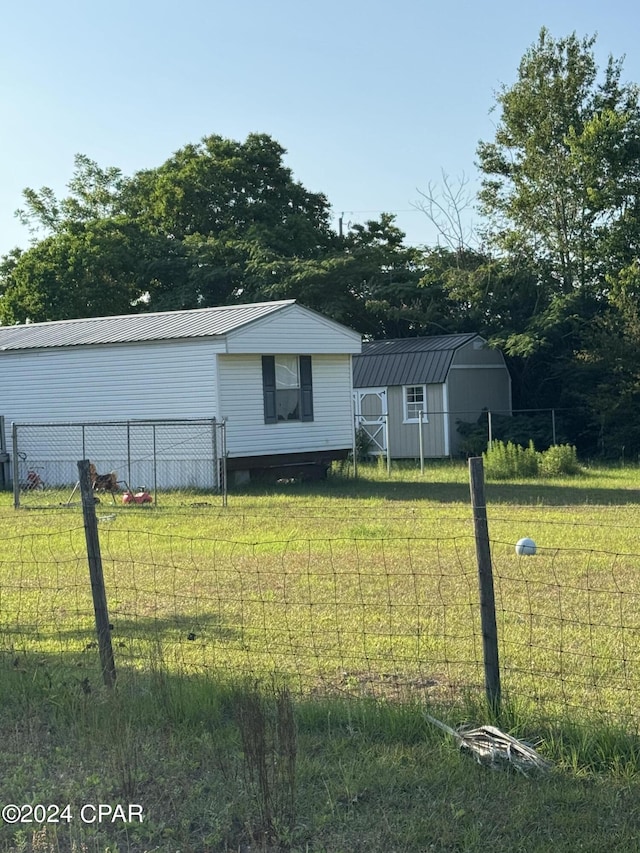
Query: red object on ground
{"points": [[139, 498]]}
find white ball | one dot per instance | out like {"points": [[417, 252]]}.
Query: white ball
{"points": [[525, 547]]}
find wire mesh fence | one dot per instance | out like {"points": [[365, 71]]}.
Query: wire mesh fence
{"points": [[153, 456], [364, 613]]}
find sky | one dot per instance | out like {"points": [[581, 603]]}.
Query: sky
{"points": [[375, 103]]}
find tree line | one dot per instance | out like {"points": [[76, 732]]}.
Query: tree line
{"points": [[552, 276]]}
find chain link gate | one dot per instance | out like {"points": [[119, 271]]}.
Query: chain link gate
{"points": [[150, 455]]}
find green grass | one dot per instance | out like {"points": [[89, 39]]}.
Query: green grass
{"points": [[368, 777], [367, 586], [361, 595]]}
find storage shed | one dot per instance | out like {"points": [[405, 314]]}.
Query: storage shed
{"points": [[428, 384], [279, 374]]}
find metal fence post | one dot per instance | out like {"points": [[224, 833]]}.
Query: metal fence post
{"points": [[223, 454], [217, 474], [16, 472], [4, 456], [129, 455], [354, 447], [485, 580], [155, 466], [421, 440], [386, 441]]}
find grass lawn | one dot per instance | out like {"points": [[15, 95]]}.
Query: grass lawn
{"points": [[360, 596]]}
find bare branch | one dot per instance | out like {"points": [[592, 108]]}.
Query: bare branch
{"points": [[444, 205]]}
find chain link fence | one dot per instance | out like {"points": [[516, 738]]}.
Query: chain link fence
{"points": [[437, 434], [147, 456]]}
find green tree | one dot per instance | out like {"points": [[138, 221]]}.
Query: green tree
{"points": [[231, 190], [94, 193], [560, 190], [384, 276], [499, 298], [94, 270], [606, 382], [561, 178], [366, 279], [219, 222], [190, 233]]}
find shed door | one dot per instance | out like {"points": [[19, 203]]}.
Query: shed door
{"points": [[371, 415]]}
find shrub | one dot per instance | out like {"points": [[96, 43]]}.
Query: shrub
{"points": [[473, 441], [558, 460], [505, 461]]}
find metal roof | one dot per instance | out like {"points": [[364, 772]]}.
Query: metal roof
{"points": [[166, 325], [407, 361]]}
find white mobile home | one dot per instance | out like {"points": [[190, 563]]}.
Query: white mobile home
{"points": [[279, 374], [412, 385]]}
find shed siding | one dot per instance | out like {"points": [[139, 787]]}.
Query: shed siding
{"points": [[469, 354], [473, 389], [293, 330], [174, 379], [462, 375], [241, 403], [404, 440]]}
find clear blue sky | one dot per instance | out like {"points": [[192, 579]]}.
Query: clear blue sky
{"points": [[372, 100]]}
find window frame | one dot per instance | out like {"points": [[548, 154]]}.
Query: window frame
{"points": [[270, 389], [406, 403]]}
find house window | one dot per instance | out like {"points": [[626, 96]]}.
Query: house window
{"points": [[415, 401], [287, 388]]}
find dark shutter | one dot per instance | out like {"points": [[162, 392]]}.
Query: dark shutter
{"points": [[306, 389], [269, 388]]}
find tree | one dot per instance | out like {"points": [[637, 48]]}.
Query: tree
{"points": [[95, 193], [231, 190], [446, 207], [384, 276], [560, 190], [202, 229], [219, 222], [607, 371], [93, 270], [561, 177]]}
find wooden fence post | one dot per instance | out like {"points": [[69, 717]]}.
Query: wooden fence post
{"points": [[485, 580], [95, 572]]}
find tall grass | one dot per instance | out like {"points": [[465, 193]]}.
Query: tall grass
{"points": [[207, 763]]}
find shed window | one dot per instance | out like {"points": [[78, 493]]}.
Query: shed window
{"points": [[287, 388], [415, 401]]}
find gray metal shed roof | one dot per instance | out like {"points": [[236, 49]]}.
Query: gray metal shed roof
{"points": [[166, 325], [407, 361]]}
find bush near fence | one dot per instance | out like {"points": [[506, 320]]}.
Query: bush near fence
{"points": [[504, 461]]}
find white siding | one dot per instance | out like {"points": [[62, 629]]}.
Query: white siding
{"points": [[241, 403], [293, 330], [111, 382]]}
